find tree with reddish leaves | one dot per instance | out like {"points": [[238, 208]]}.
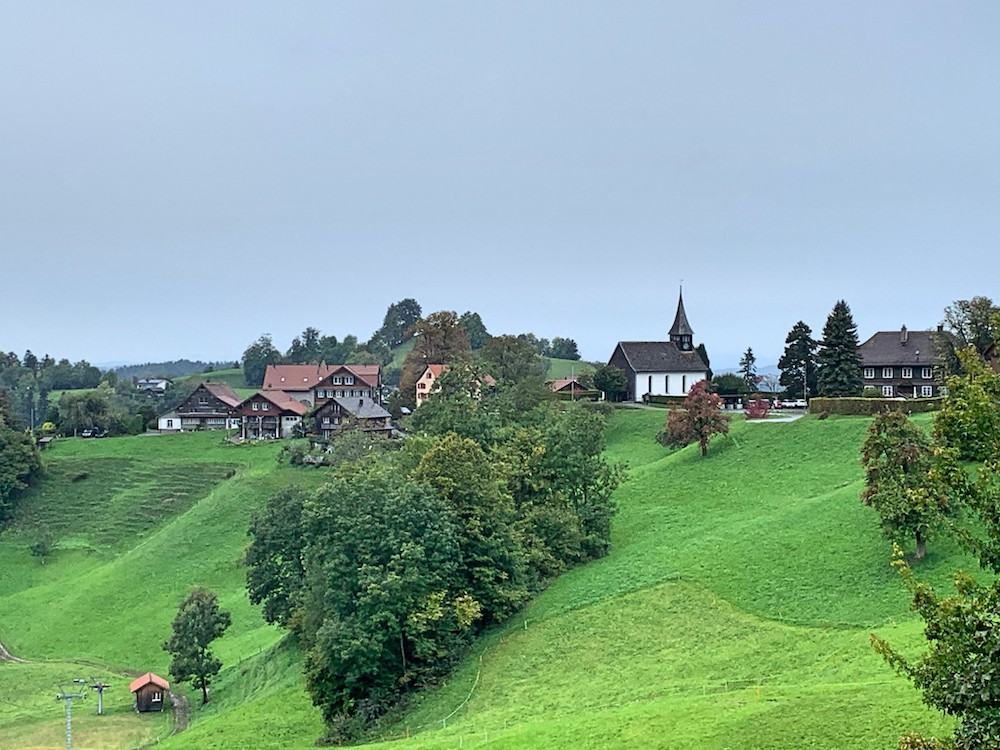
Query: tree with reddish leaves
{"points": [[697, 420]]}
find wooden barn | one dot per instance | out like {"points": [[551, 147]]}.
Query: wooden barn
{"points": [[149, 691]]}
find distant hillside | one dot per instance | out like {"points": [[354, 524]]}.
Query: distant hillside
{"points": [[173, 369]]}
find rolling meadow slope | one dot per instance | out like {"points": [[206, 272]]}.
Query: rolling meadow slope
{"points": [[734, 609]]}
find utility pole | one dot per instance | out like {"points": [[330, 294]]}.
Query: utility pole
{"points": [[68, 698]]}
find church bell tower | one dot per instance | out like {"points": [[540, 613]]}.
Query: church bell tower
{"points": [[681, 334]]}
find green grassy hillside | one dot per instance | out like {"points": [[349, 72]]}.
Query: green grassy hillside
{"points": [[734, 609]]}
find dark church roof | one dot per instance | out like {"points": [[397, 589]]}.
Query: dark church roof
{"points": [[660, 356], [901, 347], [681, 327]]}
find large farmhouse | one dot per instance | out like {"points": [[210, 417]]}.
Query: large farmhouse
{"points": [[661, 368], [900, 364]]}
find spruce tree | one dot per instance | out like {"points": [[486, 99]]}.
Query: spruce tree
{"points": [[800, 351], [748, 370], [838, 363]]}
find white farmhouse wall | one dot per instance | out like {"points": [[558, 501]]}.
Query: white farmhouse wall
{"points": [[169, 422]]}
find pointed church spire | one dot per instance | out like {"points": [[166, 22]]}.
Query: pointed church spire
{"points": [[681, 334]]}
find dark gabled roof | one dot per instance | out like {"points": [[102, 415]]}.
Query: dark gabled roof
{"points": [[224, 392], [362, 408], [886, 348], [660, 356], [681, 327]]}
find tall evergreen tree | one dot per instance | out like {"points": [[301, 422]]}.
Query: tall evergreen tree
{"points": [[838, 362], [800, 352], [748, 370]]}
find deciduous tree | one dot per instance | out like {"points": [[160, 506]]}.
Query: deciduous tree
{"points": [[897, 457], [610, 379], [199, 621], [838, 362], [257, 357], [700, 418], [969, 419]]}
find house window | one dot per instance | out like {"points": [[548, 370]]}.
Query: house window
{"points": [[170, 423], [349, 380], [255, 406], [421, 386], [337, 380], [886, 372], [265, 406], [157, 697], [887, 391], [927, 390], [908, 372], [326, 420], [429, 375], [666, 384], [202, 399], [869, 373], [925, 373], [649, 385], [684, 383]]}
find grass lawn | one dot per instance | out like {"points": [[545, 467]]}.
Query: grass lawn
{"points": [[564, 368], [734, 609]]}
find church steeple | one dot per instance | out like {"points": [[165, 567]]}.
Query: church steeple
{"points": [[681, 334]]}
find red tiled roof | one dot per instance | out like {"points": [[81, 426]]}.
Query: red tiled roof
{"points": [[224, 392], [146, 679], [307, 377], [283, 400], [566, 383]]}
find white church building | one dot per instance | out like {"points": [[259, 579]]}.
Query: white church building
{"points": [[661, 368]]}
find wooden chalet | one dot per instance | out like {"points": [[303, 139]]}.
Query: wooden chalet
{"points": [[149, 691], [269, 415], [211, 406], [337, 414]]}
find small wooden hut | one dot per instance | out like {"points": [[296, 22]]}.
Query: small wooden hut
{"points": [[149, 691]]}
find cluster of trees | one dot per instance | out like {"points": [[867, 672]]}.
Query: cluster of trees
{"points": [[387, 571], [830, 366], [919, 485], [29, 380], [19, 459], [440, 337]]}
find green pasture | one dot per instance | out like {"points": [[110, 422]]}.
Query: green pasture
{"points": [[564, 368], [734, 609]]}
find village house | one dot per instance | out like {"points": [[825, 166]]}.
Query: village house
{"points": [[427, 382], [311, 384], [270, 415], [211, 406], [900, 364], [661, 368], [336, 414]]}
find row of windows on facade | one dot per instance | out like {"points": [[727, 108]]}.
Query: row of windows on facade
{"points": [[341, 393], [926, 391], [906, 372], [666, 383]]}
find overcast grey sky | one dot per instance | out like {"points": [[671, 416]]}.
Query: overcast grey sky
{"points": [[179, 178]]}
